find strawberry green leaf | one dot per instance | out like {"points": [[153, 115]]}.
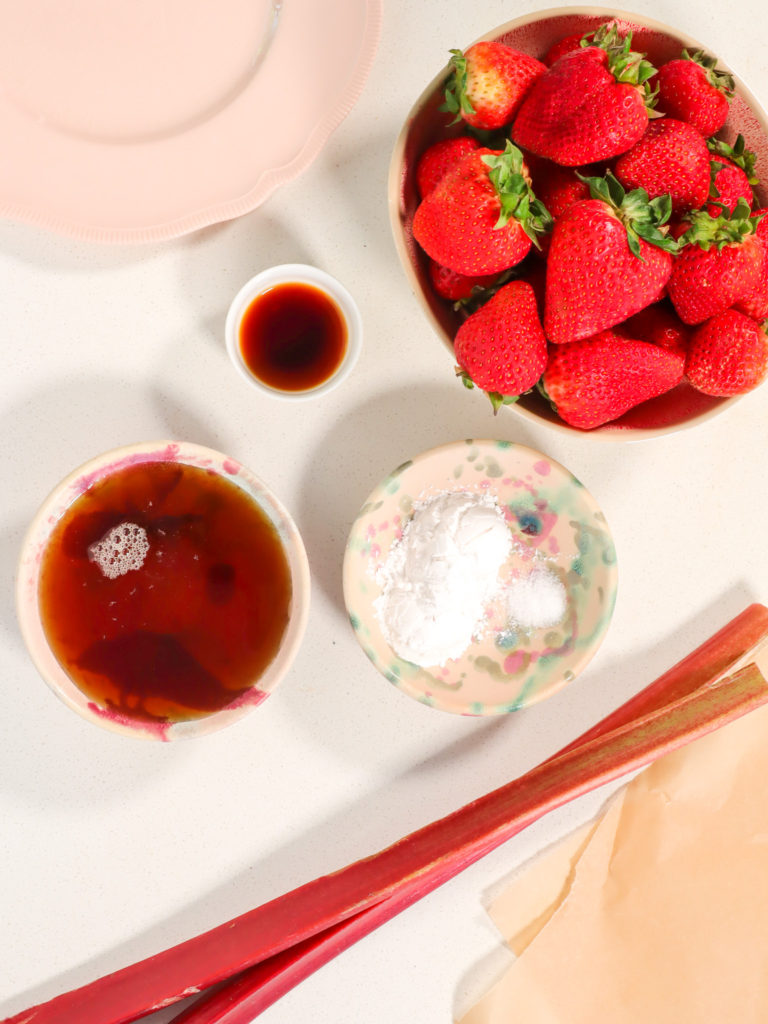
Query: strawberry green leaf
{"points": [[737, 153], [588, 39], [516, 198], [624, 63], [722, 80], [495, 397], [641, 216], [662, 208], [727, 229], [497, 400], [633, 241], [598, 188], [616, 191], [456, 99]]}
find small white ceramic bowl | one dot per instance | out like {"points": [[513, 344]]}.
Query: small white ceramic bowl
{"points": [[28, 580], [295, 273], [556, 526]]}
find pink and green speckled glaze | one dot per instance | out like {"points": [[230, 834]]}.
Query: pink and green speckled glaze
{"points": [[534, 33], [29, 573], [554, 522]]}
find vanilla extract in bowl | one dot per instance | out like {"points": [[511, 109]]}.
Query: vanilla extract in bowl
{"points": [[293, 337], [164, 592]]}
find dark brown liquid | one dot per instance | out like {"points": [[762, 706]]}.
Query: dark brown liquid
{"points": [[196, 624], [293, 337]]}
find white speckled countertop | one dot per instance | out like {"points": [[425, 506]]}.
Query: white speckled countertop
{"points": [[111, 849]]}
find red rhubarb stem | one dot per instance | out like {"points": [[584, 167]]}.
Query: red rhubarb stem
{"points": [[431, 855], [631, 746]]}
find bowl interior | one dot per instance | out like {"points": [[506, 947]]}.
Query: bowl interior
{"points": [[28, 580], [425, 124], [555, 524]]}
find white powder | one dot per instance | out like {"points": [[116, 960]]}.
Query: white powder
{"points": [[536, 600], [121, 550], [440, 576]]}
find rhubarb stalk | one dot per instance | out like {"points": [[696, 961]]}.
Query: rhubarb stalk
{"points": [[381, 885]]}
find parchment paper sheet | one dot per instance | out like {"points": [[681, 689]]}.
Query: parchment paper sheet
{"points": [[658, 912]]}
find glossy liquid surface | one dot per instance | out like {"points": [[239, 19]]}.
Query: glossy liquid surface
{"points": [[293, 337], [184, 621]]}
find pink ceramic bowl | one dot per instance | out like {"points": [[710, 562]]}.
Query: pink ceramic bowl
{"points": [[535, 33], [79, 483]]}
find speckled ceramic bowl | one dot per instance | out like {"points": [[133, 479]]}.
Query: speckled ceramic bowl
{"points": [[28, 580], [534, 33], [555, 525]]}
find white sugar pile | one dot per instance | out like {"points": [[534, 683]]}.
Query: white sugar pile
{"points": [[537, 600]]}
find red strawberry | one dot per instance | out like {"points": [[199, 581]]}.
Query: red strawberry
{"points": [[729, 185], [670, 157], [718, 265], [566, 45], [557, 187], [659, 325], [732, 174], [607, 260], [536, 277], [691, 90], [439, 158], [596, 380], [756, 303], [482, 215], [728, 355], [450, 285], [501, 348], [589, 106], [489, 83]]}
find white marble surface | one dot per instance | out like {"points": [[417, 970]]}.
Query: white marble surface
{"points": [[112, 849]]}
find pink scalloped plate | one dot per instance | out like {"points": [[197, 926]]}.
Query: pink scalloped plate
{"points": [[142, 121]]}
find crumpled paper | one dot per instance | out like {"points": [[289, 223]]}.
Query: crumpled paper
{"points": [[657, 912]]}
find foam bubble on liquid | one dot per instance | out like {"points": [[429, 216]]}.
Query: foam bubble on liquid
{"points": [[120, 550]]}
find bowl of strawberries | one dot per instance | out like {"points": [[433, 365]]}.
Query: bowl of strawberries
{"points": [[576, 202]]}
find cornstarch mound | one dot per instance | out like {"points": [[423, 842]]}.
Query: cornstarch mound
{"points": [[439, 577]]}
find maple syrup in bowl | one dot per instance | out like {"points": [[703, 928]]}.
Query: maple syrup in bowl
{"points": [[293, 331], [163, 590]]}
